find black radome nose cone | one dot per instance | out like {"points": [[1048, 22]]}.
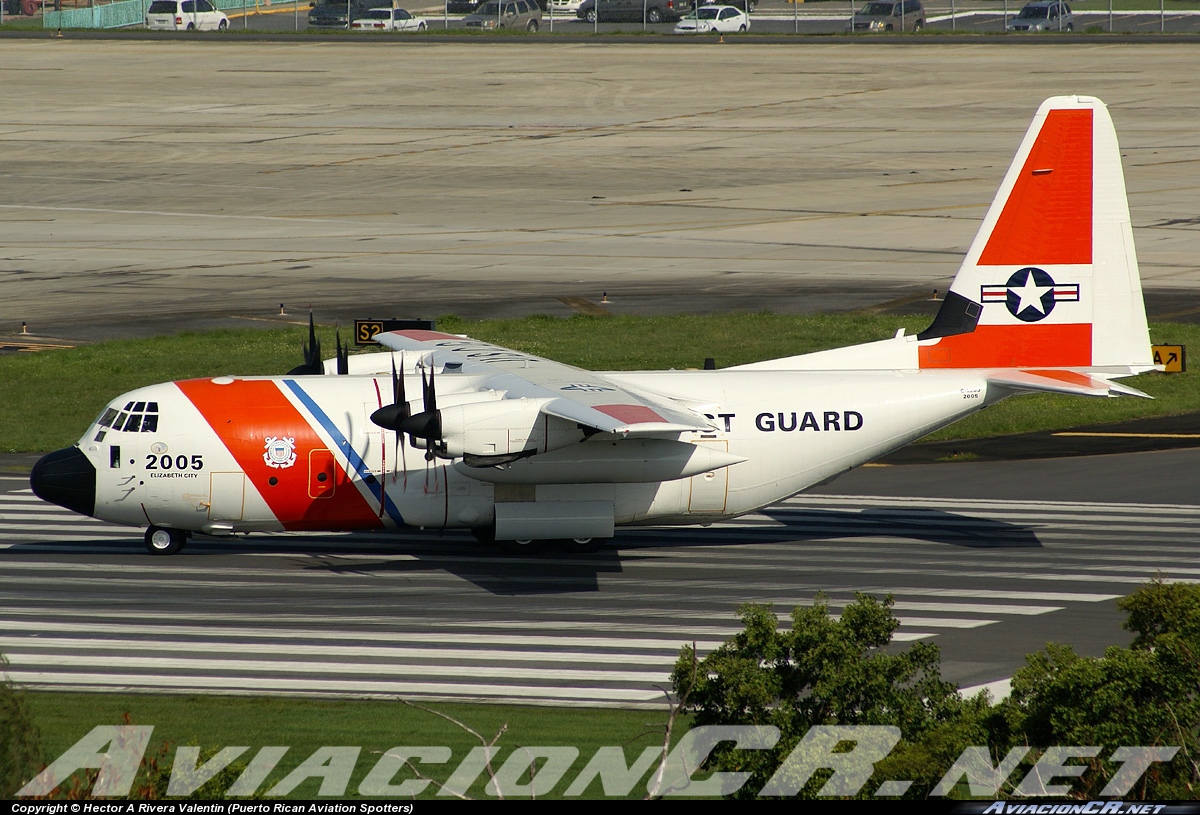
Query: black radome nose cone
{"points": [[66, 477]]}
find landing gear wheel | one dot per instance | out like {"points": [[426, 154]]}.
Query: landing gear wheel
{"points": [[523, 547], [582, 546], [160, 541]]}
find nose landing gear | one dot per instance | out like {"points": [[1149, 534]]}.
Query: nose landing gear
{"points": [[162, 541]]}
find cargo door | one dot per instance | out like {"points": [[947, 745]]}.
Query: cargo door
{"points": [[226, 496], [709, 490], [322, 473]]}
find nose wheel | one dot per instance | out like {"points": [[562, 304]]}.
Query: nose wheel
{"points": [[162, 541]]}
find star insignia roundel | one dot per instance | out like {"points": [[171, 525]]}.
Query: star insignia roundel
{"points": [[1030, 294]]}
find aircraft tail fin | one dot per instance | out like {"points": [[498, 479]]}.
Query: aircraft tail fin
{"points": [[1051, 279]]}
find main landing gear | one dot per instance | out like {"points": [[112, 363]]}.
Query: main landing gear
{"points": [[572, 546], [162, 541]]}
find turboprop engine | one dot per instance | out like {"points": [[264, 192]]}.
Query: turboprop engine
{"points": [[481, 427], [485, 433]]}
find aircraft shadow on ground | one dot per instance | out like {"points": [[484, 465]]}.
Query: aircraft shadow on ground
{"points": [[555, 572], [931, 525], [552, 572]]}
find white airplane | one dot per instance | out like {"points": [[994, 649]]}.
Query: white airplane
{"points": [[523, 450]]}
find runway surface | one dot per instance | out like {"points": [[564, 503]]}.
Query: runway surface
{"points": [[989, 561]]}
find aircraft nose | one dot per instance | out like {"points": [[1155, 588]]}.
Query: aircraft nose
{"points": [[66, 477]]}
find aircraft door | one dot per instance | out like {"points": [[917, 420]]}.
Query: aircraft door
{"points": [[322, 474], [227, 496], [710, 490]]}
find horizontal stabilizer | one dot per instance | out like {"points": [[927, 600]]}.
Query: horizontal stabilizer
{"points": [[1069, 382]]}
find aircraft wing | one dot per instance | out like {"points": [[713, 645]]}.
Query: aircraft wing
{"points": [[576, 395]]}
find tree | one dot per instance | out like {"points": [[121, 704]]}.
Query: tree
{"points": [[823, 671], [1146, 695]]}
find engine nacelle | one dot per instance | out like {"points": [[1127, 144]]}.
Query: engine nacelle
{"points": [[504, 427]]}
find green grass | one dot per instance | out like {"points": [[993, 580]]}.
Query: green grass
{"points": [[214, 722], [55, 394]]}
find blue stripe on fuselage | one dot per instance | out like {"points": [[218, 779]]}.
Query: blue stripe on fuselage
{"points": [[352, 457]]}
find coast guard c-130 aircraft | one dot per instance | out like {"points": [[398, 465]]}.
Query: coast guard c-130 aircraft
{"points": [[524, 450]]}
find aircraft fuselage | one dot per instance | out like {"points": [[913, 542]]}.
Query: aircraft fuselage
{"points": [[227, 454]]}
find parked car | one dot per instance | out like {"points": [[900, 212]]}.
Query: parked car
{"points": [[889, 15], [506, 14], [714, 20], [565, 8], [745, 5], [633, 11], [1044, 15], [185, 15], [333, 13], [389, 19]]}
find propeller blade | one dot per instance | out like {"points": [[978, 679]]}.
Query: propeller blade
{"points": [[428, 423], [398, 381], [312, 353], [343, 356], [391, 417]]}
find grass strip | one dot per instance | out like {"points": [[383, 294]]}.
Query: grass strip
{"points": [[377, 726]]}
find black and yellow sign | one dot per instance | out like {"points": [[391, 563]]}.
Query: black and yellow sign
{"points": [[364, 330], [1171, 357]]}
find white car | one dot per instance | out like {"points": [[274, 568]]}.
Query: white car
{"points": [[715, 20], [389, 19], [566, 8], [185, 15]]}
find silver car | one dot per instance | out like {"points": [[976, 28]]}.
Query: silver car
{"points": [[516, 14], [1044, 15], [889, 15]]}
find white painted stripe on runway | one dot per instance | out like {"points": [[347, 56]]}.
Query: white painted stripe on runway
{"points": [[445, 654], [975, 608], [542, 624], [999, 594], [988, 503], [17, 525], [940, 622], [458, 637], [999, 690], [11, 516], [258, 684], [827, 567], [410, 669]]}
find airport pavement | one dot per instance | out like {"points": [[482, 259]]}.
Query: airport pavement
{"points": [[989, 561], [152, 184]]}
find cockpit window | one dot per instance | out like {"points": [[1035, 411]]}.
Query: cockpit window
{"points": [[137, 417]]}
